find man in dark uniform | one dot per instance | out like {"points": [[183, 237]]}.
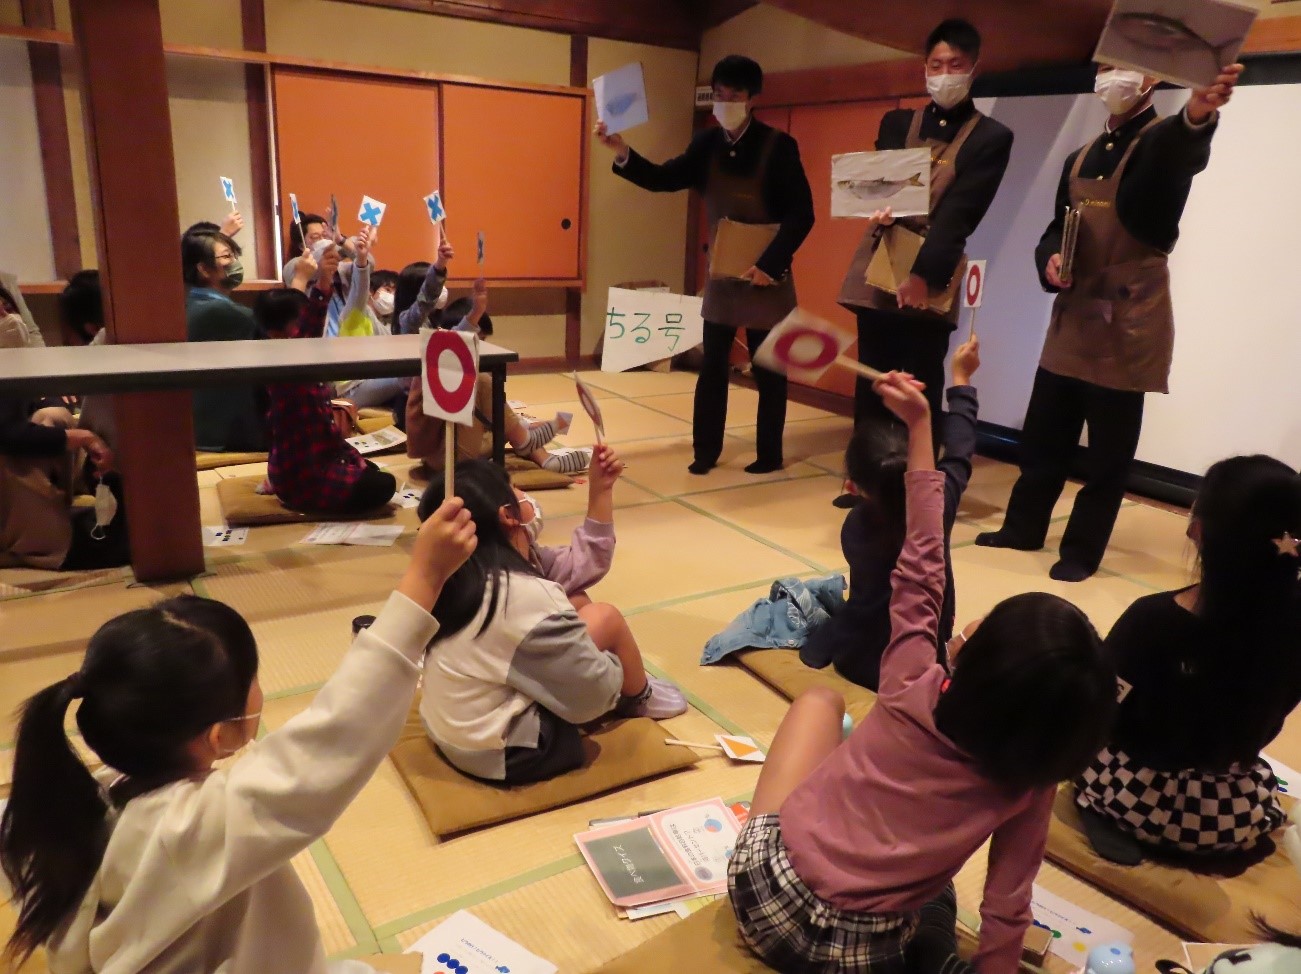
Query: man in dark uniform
{"points": [[969, 154], [1111, 337], [749, 173]]}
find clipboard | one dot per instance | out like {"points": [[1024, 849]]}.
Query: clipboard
{"points": [[893, 261], [1070, 239], [738, 246]]}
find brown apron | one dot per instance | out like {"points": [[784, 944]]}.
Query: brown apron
{"points": [[1115, 326], [739, 303], [855, 292]]}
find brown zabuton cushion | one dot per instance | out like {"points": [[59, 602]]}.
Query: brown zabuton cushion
{"points": [[620, 753], [782, 670], [243, 506]]}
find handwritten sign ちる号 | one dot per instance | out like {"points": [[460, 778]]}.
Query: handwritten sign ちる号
{"points": [[647, 326]]}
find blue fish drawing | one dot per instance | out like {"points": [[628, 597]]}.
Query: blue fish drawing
{"points": [[620, 103]]}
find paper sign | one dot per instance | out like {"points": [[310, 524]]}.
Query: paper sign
{"points": [[293, 206], [864, 182], [434, 205], [1075, 930], [590, 406], [740, 748], [224, 537], [464, 944], [802, 346], [368, 535], [621, 98], [333, 216], [407, 498], [672, 854], [228, 189], [480, 241], [1289, 780], [448, 373], [644, 326], [1184, 41], [384, 439], [973, 285], [371, 212]]}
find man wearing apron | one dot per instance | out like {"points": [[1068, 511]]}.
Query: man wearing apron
{"points": [[1111, 337], [748, 172], [969, 154]]}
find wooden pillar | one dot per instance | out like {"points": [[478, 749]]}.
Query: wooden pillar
{"points": [[52, 129], [133, 182], [265, 225], [573, 295]]}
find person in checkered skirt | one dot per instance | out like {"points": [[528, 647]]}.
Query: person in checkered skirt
{"points": [[1208, 675], [847, 861]]}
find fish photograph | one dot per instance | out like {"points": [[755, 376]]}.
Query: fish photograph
{"points": [[864, 182], [621, 98], [1183, 41]]}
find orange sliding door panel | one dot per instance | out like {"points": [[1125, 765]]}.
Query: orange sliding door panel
{"points": [[513, 169], [823, 131], [355, 136]]}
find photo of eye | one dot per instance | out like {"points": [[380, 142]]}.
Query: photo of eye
{"points": [[1183, 41]]}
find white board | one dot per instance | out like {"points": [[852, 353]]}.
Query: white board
{"points": [[647, 326]]}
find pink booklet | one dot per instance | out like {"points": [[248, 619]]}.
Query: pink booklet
{"points": [[678, 852]]}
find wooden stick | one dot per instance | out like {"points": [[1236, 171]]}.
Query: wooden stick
{"points": [[449, 459], [703, 747], [973, 324], [853, 365]]}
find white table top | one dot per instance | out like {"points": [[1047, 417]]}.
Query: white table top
{"points": [[191, 365]]}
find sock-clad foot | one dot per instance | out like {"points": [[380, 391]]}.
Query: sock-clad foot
{"points": [[1001, 539], [764, 466], [659, 701], [700, 467], [1067, 570], [568, 461], [543, 433]]}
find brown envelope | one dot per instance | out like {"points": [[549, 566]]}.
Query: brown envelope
{"points": [[737, 246], [893, 261]]}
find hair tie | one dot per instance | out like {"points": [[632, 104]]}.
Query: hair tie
{"points": [[75, 685], [1288, 545]]}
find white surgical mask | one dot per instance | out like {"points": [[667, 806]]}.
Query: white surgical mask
{"points": [[384, 303], [105, 511], [533, 527], [443, 300], [948, 90], [1119, 90], [13, 332], [730, 114]]}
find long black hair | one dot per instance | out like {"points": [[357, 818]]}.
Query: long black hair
{"points": [[875, 462], [410, 279], [485, 488], [152, 681]]}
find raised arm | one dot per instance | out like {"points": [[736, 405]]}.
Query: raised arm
{"points": [[687, 171], [958, 430], [1015, 854]]}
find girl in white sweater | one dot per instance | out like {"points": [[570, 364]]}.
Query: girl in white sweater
{"points": [[171, 866]]}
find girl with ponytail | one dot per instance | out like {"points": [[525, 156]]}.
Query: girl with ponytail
{"points": [[166, 863]]}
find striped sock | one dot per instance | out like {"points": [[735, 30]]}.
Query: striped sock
{"points": [[568, 461], [544, 433]]}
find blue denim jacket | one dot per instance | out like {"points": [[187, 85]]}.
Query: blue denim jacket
{"points": [[781, 621]]}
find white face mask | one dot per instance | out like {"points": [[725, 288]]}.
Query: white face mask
{"points": [[731, 114], [105, 511], [13, 331], [443, 300], [1119, 90], [384, 303], [533, 527], [948, 90]]}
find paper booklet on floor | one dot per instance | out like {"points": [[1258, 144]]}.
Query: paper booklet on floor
{"points": [[383, 439], [674, 854], [464, 944]]}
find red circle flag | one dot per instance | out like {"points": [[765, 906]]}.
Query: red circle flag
{"points": [[974, 285], [784, 349], [450, 400]]}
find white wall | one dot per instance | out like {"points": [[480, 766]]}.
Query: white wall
{"points": [[25, 245], [1236, 383]]}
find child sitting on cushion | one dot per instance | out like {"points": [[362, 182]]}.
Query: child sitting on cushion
{"points": [[847, 861], [312, 467], [516, 668], [1210, 674]]}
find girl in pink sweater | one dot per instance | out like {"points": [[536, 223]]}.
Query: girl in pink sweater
{"points": [[852, 846]]}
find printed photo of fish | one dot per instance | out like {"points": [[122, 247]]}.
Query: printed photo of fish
{"points": [[621, 98], [864, 182], [1183, 41]]}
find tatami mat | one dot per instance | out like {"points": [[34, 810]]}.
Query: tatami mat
{"points": [[693, 553]]}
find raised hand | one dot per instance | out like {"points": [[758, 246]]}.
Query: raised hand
{"points": [[615, 143], [966, 360], [232, 224], [1206, 101]]}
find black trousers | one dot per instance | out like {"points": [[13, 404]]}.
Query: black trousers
{"points": [[1059, 410], [904, 343], [710, 416]]}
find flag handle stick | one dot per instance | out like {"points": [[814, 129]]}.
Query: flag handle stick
{"points": [[866, 371], [449, 459], [973, 325]]}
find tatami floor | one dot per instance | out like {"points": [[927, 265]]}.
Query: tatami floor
{"points": [[693, 552]]}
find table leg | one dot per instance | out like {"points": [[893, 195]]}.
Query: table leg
{"points": [[499, 414]]}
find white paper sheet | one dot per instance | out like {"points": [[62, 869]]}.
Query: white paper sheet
{"points": [[407, 497], [864, 182], [464, 944], [384, 439], [1184, 41], [1289, 779], [645, 326], [223, 537], [370, 535], [1076, 931], [621, 98]]}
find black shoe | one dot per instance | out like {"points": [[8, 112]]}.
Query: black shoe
{"points": [[845, 502], [1068, 570], [700, 467], [761, 466], [1001, 539], [1109, 840]]}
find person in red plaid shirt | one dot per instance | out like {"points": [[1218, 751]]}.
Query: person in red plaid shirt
{"points": [[312, 467]]}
